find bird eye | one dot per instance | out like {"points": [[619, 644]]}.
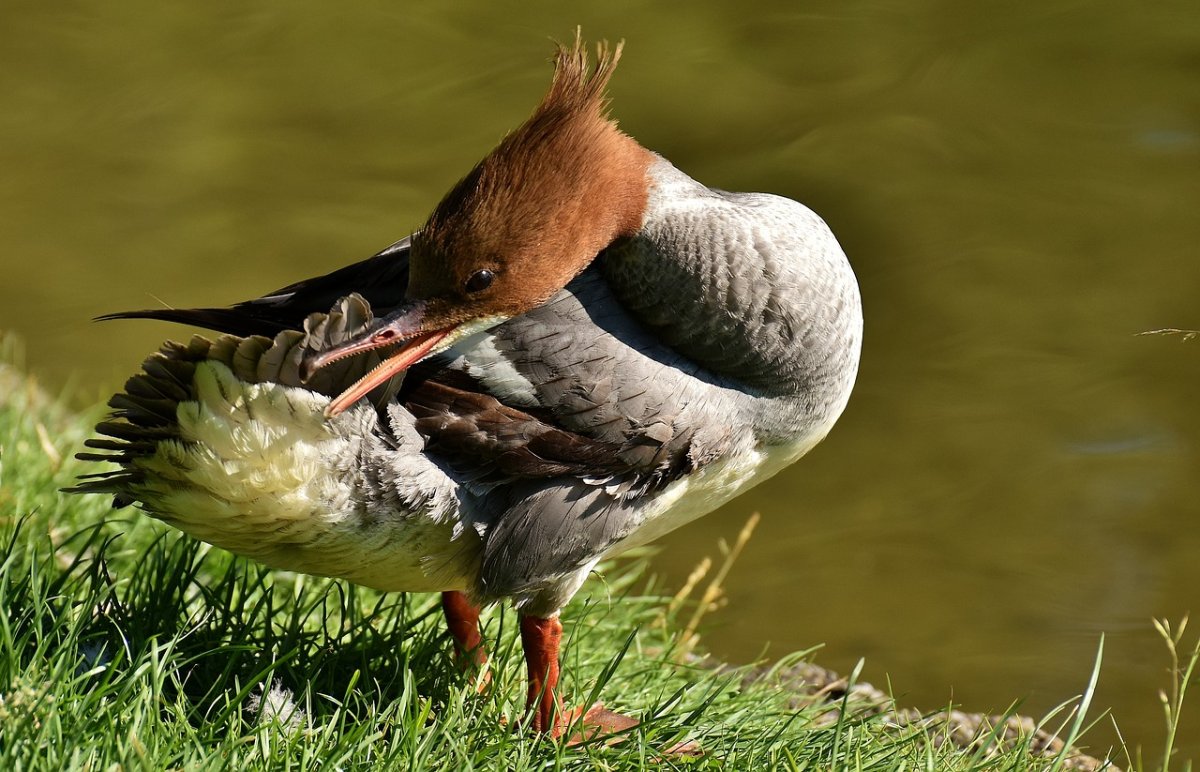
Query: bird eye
{"points": [[480, 280]]}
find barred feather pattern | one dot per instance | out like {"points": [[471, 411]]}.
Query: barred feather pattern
{"points": [[218, 439]]}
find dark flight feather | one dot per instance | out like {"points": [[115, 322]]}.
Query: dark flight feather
{"points": [[381, 279]]}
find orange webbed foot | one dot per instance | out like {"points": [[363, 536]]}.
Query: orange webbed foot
{"points": [[600, 723]]}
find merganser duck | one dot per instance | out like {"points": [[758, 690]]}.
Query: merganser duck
{"points": [[582, 349]]}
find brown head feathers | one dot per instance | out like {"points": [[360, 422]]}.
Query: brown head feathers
{"points": [[541, 205], [576, 86]]}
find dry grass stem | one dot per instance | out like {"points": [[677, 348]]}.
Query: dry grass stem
{"points": [[1185, 334], [713, 592]]}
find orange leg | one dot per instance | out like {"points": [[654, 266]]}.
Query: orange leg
{"points": [[463, 620], [540, 638]]}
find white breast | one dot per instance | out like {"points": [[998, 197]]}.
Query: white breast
{"points": [[708, 488]]}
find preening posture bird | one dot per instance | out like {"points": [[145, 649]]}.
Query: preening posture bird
{"points": [[582, 349]]}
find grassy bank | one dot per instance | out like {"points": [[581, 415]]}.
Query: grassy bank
{"points": [[124, 645]]}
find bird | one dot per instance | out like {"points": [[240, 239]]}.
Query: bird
{"points": [[581, 349]]}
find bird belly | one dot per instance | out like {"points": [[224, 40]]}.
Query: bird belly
{"points": [[708, 488]]}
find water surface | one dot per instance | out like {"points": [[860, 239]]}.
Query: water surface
{"points": [[1017, 188]]}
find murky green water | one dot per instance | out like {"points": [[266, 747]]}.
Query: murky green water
{"points": [[1017, 187]]}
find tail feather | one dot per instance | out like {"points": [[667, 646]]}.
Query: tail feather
{"points": [[156, 388], [119, 445], [145, 413]]}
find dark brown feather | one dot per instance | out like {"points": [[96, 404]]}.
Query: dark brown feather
{"points": [[473, 429]]}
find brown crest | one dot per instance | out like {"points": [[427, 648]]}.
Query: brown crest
{"points": [[541, 205]]}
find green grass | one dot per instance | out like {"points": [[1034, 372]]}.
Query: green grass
{"points": [[126, 646]]}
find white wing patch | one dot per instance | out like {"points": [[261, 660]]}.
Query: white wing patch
{"points": [[479, 357]]}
